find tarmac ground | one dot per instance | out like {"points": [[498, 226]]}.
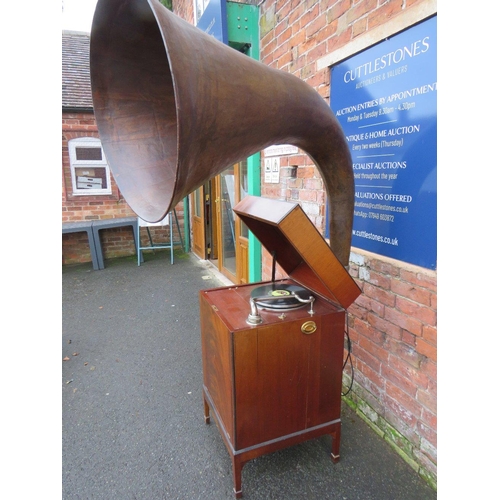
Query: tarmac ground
{"points": [[132, 407]]}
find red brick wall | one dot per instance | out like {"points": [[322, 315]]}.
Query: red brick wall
{"points": [[393, 330], [116, 242], [392, 325], [184, 9]]}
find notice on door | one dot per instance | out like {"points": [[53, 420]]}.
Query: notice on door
{"points": [[385, 99], [272, 170]]}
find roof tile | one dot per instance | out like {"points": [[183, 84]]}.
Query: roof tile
{"points": [[76, 89]]}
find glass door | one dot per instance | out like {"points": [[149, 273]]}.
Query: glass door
{"points": [[227, 223], [233, 234], [198, 223]]}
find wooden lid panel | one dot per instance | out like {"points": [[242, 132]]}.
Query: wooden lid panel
{"points": [[283, 227]]}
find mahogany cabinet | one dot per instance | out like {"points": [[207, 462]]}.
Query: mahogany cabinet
{"points": [[276, 382]]}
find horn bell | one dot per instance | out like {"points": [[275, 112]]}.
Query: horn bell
{"points": [[175, 107]]}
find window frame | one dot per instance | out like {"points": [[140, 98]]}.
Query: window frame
{"points": [[75, 163]]}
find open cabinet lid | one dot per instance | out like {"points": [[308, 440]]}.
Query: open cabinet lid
{"points": [[283, 227]]}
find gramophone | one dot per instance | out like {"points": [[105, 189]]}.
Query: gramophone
{"points": [[273, 351], [174, 107]]}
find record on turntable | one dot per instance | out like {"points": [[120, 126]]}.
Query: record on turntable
{"points": [[280, 296]]}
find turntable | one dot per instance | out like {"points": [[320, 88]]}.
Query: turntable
{"points": [[273, 351]]}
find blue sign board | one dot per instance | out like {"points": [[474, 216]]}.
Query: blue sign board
{"points": [[385, 99], [213, 18]]}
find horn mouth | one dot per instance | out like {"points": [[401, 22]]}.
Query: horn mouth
{"points": [[134, 104]]}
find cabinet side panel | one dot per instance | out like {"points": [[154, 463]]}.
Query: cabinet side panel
{"points": [[246, 383], [217, 364]]}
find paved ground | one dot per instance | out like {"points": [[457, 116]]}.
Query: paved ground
{"points": [[132, 410]]}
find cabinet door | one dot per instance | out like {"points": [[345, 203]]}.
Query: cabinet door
{"points": [[285, 380]]}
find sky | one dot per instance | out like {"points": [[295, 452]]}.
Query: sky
{"points": [[77, 14]]}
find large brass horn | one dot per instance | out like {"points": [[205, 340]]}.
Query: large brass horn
{"points": [[175, 107]]}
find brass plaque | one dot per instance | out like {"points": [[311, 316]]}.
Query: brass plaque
{"points": [[308, 327]]}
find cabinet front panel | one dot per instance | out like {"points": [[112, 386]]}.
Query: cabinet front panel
{"points": [[271, 378], [325, 371], [286, 380]]}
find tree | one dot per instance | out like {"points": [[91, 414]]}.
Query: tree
{"points": [[167, 4]]}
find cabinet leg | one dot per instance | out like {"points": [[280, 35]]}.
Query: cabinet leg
{"points": [[237, 466], [206, 410], [336, 444]]}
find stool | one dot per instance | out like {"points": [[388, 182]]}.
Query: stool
{"points": [[167, 221], [98, 225], [83, 227]]}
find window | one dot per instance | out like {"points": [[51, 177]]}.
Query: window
{"points": [[89, 169], [199, 8]]}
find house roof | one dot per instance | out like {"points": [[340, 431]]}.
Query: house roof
{"points": [[76, 90]]}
